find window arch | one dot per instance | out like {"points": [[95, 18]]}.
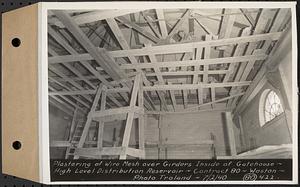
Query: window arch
{"points": [[270, 106]]}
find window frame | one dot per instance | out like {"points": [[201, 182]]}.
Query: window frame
{"points": [[262, 107]]}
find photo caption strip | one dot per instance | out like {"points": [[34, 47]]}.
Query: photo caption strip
{"points": [[171, 170]]}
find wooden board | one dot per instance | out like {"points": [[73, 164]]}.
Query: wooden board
{"points": [[20, 93]]}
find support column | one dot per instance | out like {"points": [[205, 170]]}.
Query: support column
{"points": [[230, 133]]}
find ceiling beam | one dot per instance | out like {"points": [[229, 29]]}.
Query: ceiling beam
{"points": [[195, 62], [124, 45], [93, 16], [178, 24], [107, 64], [137, 28], [194, 86], [162, 22], [170, 48]]}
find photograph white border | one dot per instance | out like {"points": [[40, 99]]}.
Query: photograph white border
{"points": [[43, 78]]}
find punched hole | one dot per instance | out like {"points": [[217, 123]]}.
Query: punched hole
{"points": [[17, 145], [16, 42]]}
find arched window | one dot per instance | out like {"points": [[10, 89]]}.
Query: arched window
{"points": [[270, 106]]}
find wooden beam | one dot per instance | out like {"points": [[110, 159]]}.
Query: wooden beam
{"points": [[178, 24], [170, 48], [206, 56], [246, 69], [195, 62], [98, 15], [173, 98], [214, 102], [79, 33], [87, 92], [107, 64], [149, 20], [96, 152], [230, 133], [185, 98], [137, 28], [161, 81], [161, 22], [124, 45], [115, 111], [239, 51], [187, 73], [226, 24], [68, 110], [89, 120], [193, 86], [248, 17], [60, 144], [129, 121], [260, 79], [141, 122]]}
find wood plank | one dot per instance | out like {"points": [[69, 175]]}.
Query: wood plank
{"points": [[110, 67], [245, 70], [95, 152], [141, 122], [149, 20], [193, 86], [239, 51], [230, 132], [87, 92], [60, 144], [170, 48], [195, 62], [185, 98], [248, 17], [89, 120], [137, 28], [116, 111], [129, 121], [86, 64], [124, 45], [226, 24], [160, 81], [178, 24], [213, 102], [162, 22], [98, 15], [173, 99]]}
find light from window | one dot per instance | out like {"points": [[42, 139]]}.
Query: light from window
{"points": [[273, 107]]}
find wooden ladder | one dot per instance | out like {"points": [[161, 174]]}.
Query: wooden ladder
{"points": [[128, 113]]}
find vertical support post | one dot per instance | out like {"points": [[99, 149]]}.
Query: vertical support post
{"points": [[243, 142], [73, 123], [230, 133], [101, 123], [130, 116], [161, 154], [141, 120], [89, 119]]}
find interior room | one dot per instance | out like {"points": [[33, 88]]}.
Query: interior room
{"points": [[170, 83]]}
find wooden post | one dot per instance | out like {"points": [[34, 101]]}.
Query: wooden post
{"points": [[130, 116], [230, 133], [141, 121], [89, 119]]}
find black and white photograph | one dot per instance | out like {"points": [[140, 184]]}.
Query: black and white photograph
{"points": [[183, 83]]}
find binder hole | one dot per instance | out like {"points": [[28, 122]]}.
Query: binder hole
{"points": [[17, 145], [16, 42]]}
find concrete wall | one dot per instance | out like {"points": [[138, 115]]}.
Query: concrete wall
{"points": [[278, 130], [187, 129], [273, 133], [58, 123]]}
